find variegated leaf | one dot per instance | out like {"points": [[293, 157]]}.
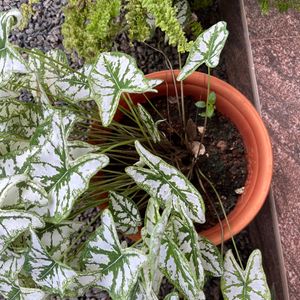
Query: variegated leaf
{"points": [[11, 291], [47, 273], [7, 183], [149, 123], [15, 163], [246, 284], [12, 88], [176, 268], [113, 74], [125, 213], [14, 223], [183, 12], [119, 268], [57, 238], [63, 179], [27, 195], [10, 60], [11, 143], [164, 182], [74, 85], [187, 240], [139, 292], [11, 264], [80, 148], [211, 257], [206, 49], [152, 217], [172, 296]]}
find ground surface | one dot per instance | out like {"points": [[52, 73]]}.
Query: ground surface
{"points": [[275, 42]]}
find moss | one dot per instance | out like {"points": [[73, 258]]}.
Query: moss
{"points": [[89, 26], [27, 12]]}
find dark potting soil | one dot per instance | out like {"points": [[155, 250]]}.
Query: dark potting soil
{"points": [[223, 163]]}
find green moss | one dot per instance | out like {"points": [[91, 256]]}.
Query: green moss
{"points": [[27, 11], [165, 18], [89, 26]]}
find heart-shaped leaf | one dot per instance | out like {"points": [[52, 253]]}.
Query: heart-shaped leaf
{"points": [[187, 240], [164, 182], [80, 148], [113, 74], [11, 291], [125, 213], [118, 268], [211, 257], [50, 275], [63, 179], [10, 60], [244, 284], [57, 238], [14, 223], [206, 49], [176, 268], [11, 264], [149, 123]]}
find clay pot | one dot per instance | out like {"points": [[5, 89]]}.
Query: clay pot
{"points": [[235, 106]]}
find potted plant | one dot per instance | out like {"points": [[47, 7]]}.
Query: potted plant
{"points": [[45, 171]]}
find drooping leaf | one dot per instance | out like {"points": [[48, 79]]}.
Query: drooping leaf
{"points": [[176, 268], [245, 284], [118, 267], [63, 179], [48, 274], [10, 60], [113, 74], [80, 148], [172, 296], [187, 240], [206, 49], [164, 182], [14, 223], [7, 183], [11, 291], [125, 213], [149, 123], [152, 217], [211, 257], [57, 238], [183, 12], [11, 264]]}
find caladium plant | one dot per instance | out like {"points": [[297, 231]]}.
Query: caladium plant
{"points": [[45, 176]]}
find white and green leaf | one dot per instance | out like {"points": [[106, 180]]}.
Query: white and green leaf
{"points": [[50, 275], [164, 182], [149, 123], [183, 12], [80, 148], [57, 238], [12, 291], [11, 264], [212, 260], [139, 292], [14, 223], [11, 61], [186, 238], [113, 74], [119, 268], [125, 213], [176, 268], [7, 183], [247, 284], [172, 296], [206, 49]]}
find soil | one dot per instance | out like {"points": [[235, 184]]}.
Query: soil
{"points": [[223, 163]]}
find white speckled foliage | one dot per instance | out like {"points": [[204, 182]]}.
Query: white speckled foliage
{"points": [[165, 183], [80, 148], [248, 284], [118, 268], [11, 60], [113, 74], [172, 296], [125, 213], [11, 264], [206, 49]]}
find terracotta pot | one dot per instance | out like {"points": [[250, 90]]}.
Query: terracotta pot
{"points": [[232, 104]]}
